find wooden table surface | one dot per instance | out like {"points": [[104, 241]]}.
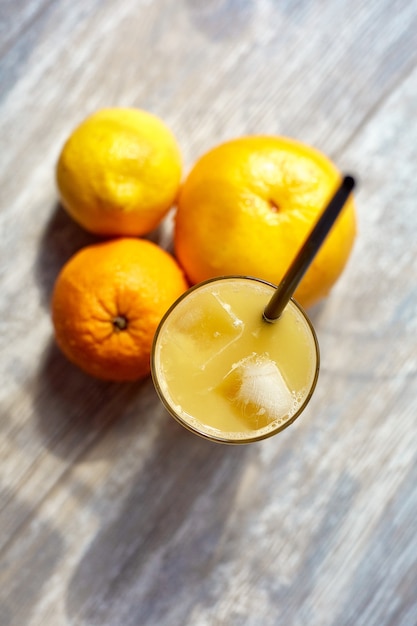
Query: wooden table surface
{"points": [[110, 512]]}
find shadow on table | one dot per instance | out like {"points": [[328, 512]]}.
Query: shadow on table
{"points": [[160, 538], [74, 409], [145, 563], [62, 238]]}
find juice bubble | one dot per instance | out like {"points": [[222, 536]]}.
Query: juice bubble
{"points": [[258, 391]]}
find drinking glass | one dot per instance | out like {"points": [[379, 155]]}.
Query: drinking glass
{"points": [[227, 374]]}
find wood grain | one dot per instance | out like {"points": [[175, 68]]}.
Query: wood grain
{"points": [[110, 513]]}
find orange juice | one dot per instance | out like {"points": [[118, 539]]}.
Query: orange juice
{"points": [[223, 371]]}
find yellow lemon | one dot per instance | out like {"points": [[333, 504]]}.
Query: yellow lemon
{"points": [[119, 172]]}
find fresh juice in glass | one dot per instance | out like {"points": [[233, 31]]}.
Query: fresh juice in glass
{"points": [[227, 374]]}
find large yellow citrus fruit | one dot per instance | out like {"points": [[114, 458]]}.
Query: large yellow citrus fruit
{"points": [[119, 172], [248, 204], [107, 302]]}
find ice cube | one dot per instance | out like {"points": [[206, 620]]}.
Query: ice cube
{"points": [[257, 389], [208, 327]]}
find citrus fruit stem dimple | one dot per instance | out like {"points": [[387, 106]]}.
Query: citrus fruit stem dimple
{"points": [[119, 323], [274, 206]]}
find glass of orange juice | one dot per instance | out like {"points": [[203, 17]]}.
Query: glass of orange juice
{"points": [[224, 372]]}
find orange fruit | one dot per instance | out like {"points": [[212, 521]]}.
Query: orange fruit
{"points": [[248, 204], [119, 172], [107, 302]]}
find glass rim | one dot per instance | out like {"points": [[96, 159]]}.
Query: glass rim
{"points": [[217, 436]]}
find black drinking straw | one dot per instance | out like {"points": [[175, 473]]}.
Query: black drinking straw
{"points": [[308, 251]]}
